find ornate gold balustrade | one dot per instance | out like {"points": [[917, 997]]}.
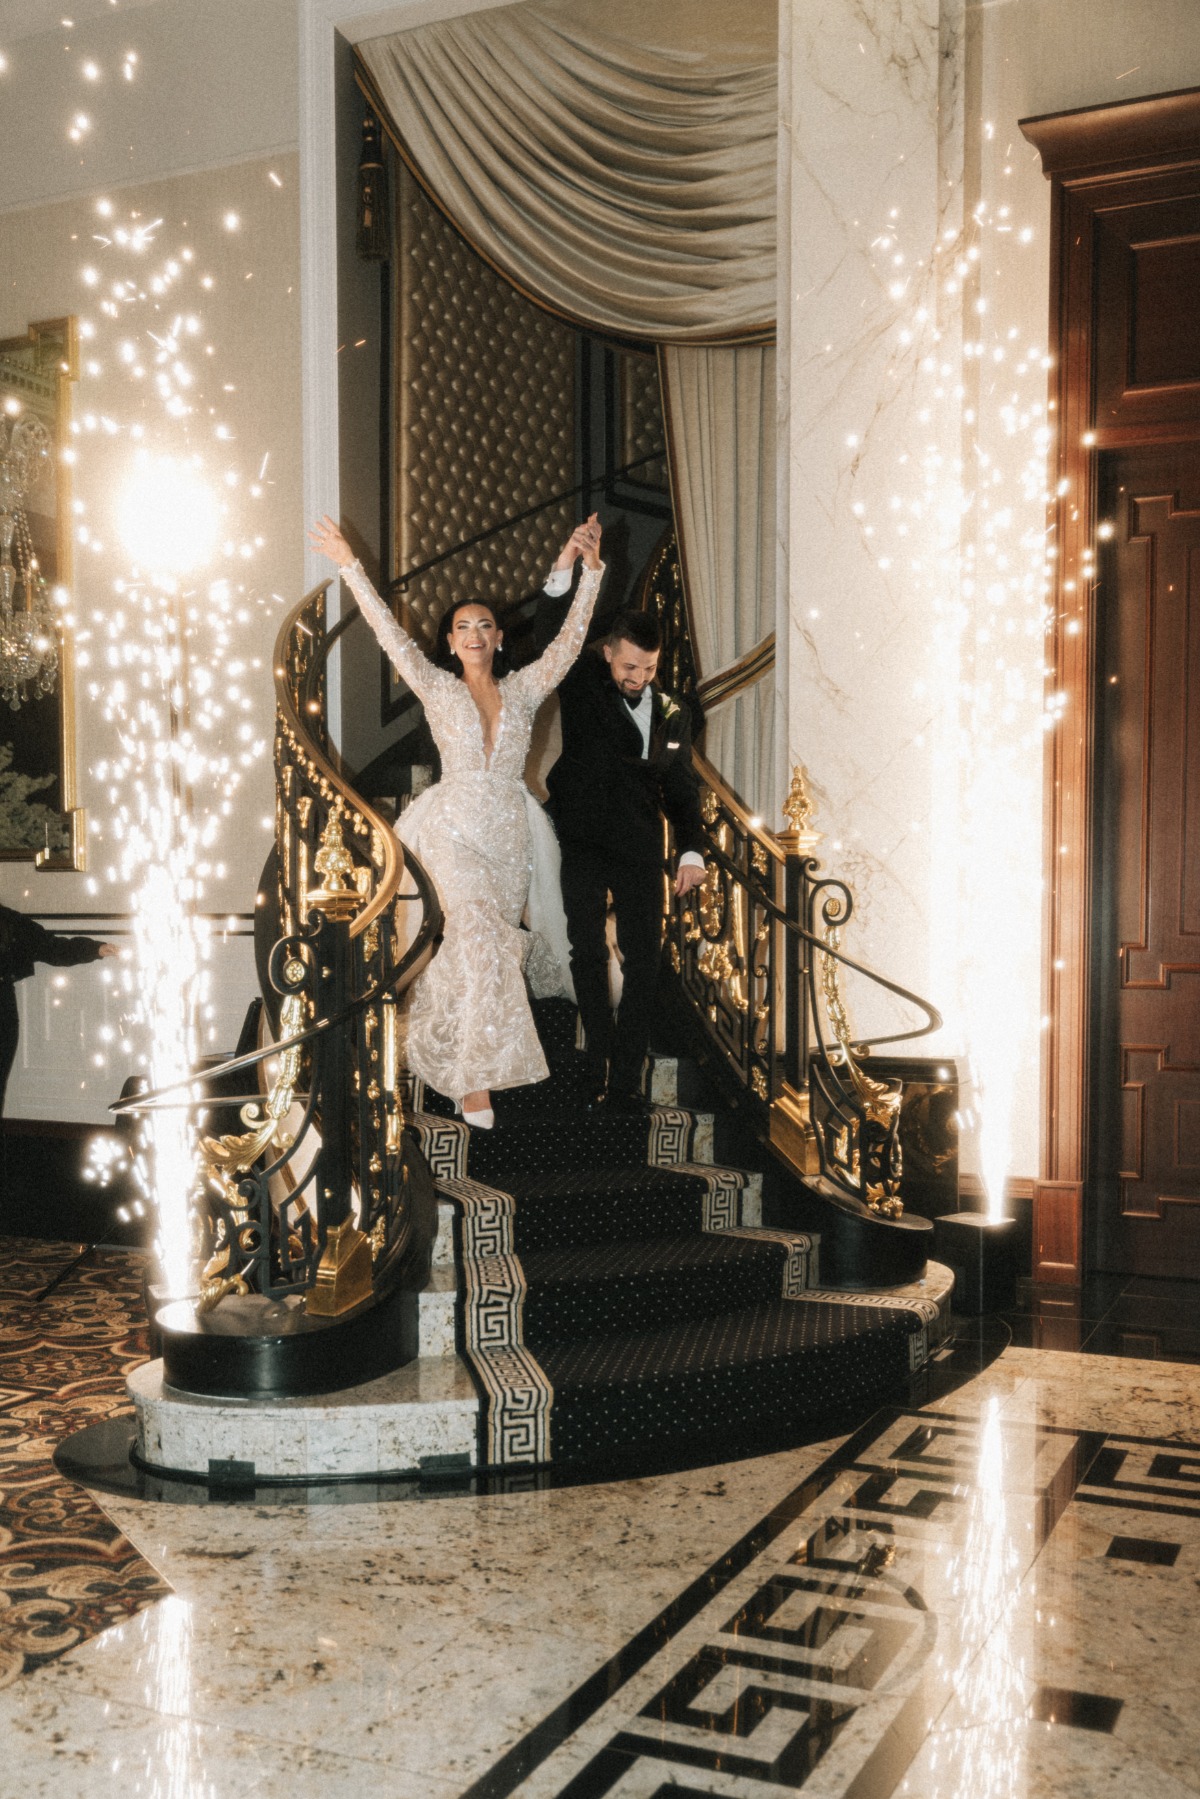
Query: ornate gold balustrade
{"points": [[757, 951], [315, 1195]]}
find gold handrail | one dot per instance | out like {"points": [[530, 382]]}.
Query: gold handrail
{"points": [[725, 794], [386, 852]]}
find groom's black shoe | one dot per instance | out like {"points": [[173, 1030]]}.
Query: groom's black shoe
{"points": [[628, 1102]]}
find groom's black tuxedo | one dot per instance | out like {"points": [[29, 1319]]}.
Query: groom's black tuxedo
{"points": [[604, 793], [608, 797]]}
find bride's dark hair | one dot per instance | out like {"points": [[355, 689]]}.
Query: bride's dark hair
{"points": [[444, 656]]}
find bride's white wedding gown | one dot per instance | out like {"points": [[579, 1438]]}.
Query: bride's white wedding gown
{"points": [[491, 851]]}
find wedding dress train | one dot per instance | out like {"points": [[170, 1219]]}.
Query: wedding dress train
{"points": [[493, 857]]}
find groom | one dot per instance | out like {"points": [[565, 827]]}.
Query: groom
{"points": [[626, 761]]}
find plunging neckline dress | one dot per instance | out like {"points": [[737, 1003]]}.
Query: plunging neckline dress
{"points": [[493, 857]]}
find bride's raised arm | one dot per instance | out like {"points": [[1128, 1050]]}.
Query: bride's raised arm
{"points": [[543, 676], [409, 661]]}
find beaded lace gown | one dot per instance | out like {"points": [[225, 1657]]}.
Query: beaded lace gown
{"points": [[493, 857]]}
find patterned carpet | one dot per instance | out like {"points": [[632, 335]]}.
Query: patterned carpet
{"points": [[617, 1297], [66, 1572]]}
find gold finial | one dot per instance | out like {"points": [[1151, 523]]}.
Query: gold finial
{"points": [[333, 862], [799, 809]]}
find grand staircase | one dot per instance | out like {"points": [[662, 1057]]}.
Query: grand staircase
{"points": [[615, 1295], [572, 1288]]}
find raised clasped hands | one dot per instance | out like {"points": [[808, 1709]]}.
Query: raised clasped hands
{"points": [[327, 540], [584, 541]]}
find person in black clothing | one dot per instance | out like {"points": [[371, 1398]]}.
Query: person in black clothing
{"points": [[23, 941], [626, 760]]}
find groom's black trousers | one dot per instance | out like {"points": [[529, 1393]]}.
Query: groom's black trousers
{"points": [[588, 877]]}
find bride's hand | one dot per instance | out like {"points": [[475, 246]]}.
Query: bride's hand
{"points": [[327, 540], [584, 541]]}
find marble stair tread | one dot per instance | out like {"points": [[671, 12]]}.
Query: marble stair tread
{"points": [[662, 1083], [646, 1283], [443, 1243], [424, 1412], [437, 1311]]}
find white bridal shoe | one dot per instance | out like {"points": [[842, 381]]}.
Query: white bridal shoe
{"points": [[483, 1121]]}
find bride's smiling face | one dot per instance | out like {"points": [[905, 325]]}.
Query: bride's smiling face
{"points": [[475, 637]]}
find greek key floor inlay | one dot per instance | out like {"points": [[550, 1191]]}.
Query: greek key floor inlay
{"points": [[819, 1651]]}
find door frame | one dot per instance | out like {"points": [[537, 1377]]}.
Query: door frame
{"points": [[1094, 158]]}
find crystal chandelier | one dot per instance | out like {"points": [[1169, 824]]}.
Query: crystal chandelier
{"points": [[28, 630]]}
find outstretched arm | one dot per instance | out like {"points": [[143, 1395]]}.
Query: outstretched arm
{"points": [[67, 952], [542, 676], [409, 662]]}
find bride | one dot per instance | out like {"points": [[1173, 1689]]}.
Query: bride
{"points": [[481, 834]]}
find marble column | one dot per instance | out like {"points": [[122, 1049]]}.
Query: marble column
{"points": [[886, 678]]}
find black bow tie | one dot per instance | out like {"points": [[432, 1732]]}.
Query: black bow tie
{"points": [[634, 702]]}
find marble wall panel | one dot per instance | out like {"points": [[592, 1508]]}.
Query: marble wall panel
{"points": [[862, 160], [868, 183]]}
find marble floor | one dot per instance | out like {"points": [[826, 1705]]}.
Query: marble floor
{"points": [[993, 1592]]}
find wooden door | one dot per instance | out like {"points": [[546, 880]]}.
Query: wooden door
{"points": [[1125, 352], [1146, 1085]]}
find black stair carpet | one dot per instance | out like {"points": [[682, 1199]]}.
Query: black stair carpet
{"points": [[612, 1300]]}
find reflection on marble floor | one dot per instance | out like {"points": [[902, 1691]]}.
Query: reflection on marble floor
{"points": [[993, 1593], [1133, 1316]]}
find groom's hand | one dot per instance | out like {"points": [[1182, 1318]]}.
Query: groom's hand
{"points": [[687, 877], [584, 541]]}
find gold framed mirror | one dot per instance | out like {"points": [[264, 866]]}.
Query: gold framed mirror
{"points": [[40, 820]]}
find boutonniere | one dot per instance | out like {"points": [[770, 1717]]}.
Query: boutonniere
{"points": [[670, 707]]}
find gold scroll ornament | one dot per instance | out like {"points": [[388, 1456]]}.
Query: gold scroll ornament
{"points": [[224, 1160], [879, 1103]]}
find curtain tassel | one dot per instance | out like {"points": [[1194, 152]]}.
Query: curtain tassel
{"points": [[373, 236]]}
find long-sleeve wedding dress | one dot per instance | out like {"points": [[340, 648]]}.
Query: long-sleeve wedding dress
{"points": [[494, 858]]}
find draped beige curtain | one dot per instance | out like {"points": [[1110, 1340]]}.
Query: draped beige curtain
{"points": [[719, 406], [616, 162], [629, 184]]}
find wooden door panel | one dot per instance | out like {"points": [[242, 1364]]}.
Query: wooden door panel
{"points": [[1189, 908], [1148, 328], [1147, 878]]}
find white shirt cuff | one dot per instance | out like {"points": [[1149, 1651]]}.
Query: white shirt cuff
{"points": [[557, 582], [691, 859]]}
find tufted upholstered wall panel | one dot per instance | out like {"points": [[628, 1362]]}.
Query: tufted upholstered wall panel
{"points": [[484, 421], [639, 412]]}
